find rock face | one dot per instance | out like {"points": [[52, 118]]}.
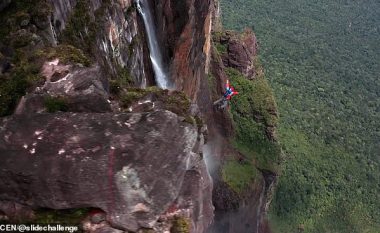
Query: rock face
{"points": [[216, 16], [117, 40], [124, 164], [81, 89], [240, 51], [94, 155], [185, 29], [142, 169], [246, 211], [84, 88]]}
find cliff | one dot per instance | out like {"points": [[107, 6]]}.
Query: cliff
{"points": [[83, 132], [249, 153], [82, 138], [99, 160]]}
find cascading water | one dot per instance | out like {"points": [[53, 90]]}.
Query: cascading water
{"points": [[155, 53], [258, 210]]}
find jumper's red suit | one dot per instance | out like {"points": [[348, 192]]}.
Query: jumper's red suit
{"points": [[230, 91]]}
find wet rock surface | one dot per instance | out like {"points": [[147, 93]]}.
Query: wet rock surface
{"points": [[184, 28]]}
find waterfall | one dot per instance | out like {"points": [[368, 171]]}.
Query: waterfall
{"points": [[258, 210], [155, 53]]}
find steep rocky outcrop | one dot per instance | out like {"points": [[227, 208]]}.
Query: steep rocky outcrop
{"points": [[79, 89], [108, 32], [238, 51], [185, 29], [234, 57], [97, 156], [72, 160], [83, 135], [113, 33]]}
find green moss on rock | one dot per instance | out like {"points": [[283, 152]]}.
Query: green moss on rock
{"points": [[124, 77], [41, 12], [11, 90], [17, 11], [131, 96], [238, 175], [114, 87], [180, 225], [198, 121], [66, 54], [146, 231], [24, 76], [20, 38], [221, 48], [119, 84], [174, 101], [55, 104], [67, 216], [81, 28], [130, 10], [24, 73], [189, 119], [255, 98], [253, 111], [212, 84]]}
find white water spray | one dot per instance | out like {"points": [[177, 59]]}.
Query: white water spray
{"points": [[155, 53], [258, 210]]}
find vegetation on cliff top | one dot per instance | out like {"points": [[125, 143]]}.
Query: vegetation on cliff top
{"points": [[239, 175], [66, 217], [174, 101], [14, 85], [254, 115], [322, 60], [55, 104], [180, 225], [15, 40], [25, 50], [50, 216], [18, 11], [253, 110], [66, 54], [81, 28]]}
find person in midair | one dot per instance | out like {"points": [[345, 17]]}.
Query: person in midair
{"points": [[230, 91]]}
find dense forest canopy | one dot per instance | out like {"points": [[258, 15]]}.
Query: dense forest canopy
{"points": [[323, 61]]}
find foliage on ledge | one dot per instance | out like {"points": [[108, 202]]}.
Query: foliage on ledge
{"points": [[254, 114]]}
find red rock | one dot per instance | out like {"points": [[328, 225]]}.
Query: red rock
{"points": [[241, 51]]}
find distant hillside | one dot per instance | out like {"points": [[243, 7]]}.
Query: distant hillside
{"points": [[322, 59]]}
